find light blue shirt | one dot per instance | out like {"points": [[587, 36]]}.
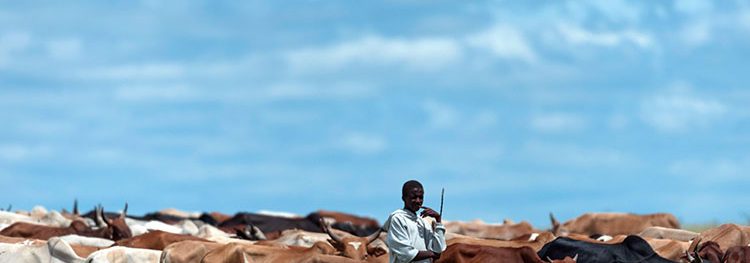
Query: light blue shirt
{"points": [[408, 234]]}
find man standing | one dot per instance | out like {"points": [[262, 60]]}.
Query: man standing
{"points": [[409, 238]]}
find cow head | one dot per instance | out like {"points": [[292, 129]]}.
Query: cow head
{"points": [[707, 252], [564, 260], [116, 228], [354, 247]]}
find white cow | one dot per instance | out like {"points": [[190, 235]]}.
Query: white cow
{"points": [[120, 254], [55, 250], [74, 239], [139, 227]]}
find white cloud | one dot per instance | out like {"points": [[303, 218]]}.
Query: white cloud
{"points": [[744, 18], [580, 36], [440, 115], [19, 152], [618, 10], [718, 169], [696, 33], [361, 143], [618, 122], [340, 90], [64, 48], [136, 72], [505, 42], [11, 43], [558, 122], [417, 54], [679, 108], [693, 7], [572, 155], [156, 93]]}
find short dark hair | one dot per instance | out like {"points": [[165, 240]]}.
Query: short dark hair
{"points": [[411, 184]]}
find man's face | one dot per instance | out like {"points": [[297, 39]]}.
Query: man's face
{"points": [[413, 199]]}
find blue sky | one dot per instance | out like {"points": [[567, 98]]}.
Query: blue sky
{"points": [[517, 108]]}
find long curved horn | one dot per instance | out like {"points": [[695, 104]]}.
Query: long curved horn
{"points": [[694, 246], [124, 211], [330, 233], [75, 206], [102, 217], [690, 257], [374, 236], [693, 250], [98, 216], [554, 222]]}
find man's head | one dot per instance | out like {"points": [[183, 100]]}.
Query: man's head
{"points": [[413, 195]]}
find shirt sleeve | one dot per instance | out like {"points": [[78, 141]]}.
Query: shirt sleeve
{"points": [[398, 241], [437, 240]]}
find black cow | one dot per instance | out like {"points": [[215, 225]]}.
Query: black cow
{"points": [[632, 249], [270, 224]]}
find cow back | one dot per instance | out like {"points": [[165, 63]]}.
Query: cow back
{"points": [[632, 249], [469, 253]]}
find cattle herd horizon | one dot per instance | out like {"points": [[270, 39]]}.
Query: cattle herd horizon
{"points": [[174, 236]]}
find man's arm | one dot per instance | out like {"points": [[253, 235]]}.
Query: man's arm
{"points": [[437, 239], [425, 254]]}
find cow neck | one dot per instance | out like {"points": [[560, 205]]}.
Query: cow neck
{"points": [[100, 233]]}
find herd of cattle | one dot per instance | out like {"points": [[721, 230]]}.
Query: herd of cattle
{"points": [[325, 236]]}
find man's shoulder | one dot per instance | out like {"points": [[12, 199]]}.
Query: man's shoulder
{"points": [[399, 217], [399, 213]]}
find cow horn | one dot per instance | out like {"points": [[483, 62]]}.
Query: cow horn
{"points": [[124, 211], [575, 258], [330, 233], [75, 206], [694, 246], [549, 259], [555, 223], [98, 216], [258, 233], [101, 217], [374, 236], [690, 257]]}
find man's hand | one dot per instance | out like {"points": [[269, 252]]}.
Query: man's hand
{"points": [[425, 254], [429, 212]]}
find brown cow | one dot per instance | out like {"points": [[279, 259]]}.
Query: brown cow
{"points": [[354, 247], [535, 244], [187, 251], [668, 233], [490, 231], [234, 252], [468, 253], [156, 239], [709, 250], [737, 254], [114, 229], [612, 223], [727, 235]]}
